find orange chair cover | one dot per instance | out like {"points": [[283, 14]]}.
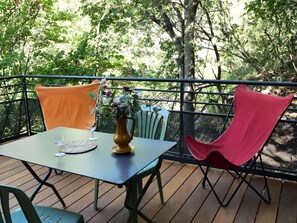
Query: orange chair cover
{"points": [[67, 106]]}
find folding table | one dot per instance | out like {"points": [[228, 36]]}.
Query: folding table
{"points": [[100, 163]]}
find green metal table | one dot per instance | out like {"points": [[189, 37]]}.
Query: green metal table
{"points": [[100, 163]]}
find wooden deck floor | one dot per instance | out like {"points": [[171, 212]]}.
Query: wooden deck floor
{"points": [[185, 199]]}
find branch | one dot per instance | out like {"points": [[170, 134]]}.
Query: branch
{"points": [[211, 36]]}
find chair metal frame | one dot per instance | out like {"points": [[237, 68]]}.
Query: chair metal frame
{"points": [[238, 174]]}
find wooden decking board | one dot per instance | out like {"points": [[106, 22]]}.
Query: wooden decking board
{"points": [[226, 213], [167, 173], [27, 183], [250, 204], [207, 214], [6, 164], [154, 205], [11, 170], [86, 201], [114, 206], [193, 204], [179, 197], [104, 202], [267, 213], [287, 211], [6, 160], [86, 196], [185, 199], [49, 199], [111, 210], [46, 191]]}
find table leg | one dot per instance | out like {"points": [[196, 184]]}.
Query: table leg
{"points": [[43, 182], [133, 200]]}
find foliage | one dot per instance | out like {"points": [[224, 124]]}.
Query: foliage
{"points": [[263, 46], [27, 28], [145, 38]]}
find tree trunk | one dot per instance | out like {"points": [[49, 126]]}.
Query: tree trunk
{"points": [[189, 66], [185, 49]]}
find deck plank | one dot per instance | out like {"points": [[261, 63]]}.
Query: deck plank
{"points": [[287, 211], [193, 204], [185, 198], [154, 205], [267, 213], [172, 206], [207, 214], [250, 203], [225, 214]]}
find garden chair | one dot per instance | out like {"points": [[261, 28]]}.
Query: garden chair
{"points": [[67, 106], [30, 213], [240, 146], [150, 124]]}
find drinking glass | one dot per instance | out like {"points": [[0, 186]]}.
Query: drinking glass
{"points": [[58, 140], [91, 125]]}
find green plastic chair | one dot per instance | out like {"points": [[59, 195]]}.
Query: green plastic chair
{"points": [[32, 214], [151, 125]]}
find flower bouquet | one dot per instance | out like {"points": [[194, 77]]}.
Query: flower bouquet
{"points": [[120, 106]]}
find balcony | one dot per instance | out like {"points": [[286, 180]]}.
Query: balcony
{"points": [[184, 196], [185, 199]]}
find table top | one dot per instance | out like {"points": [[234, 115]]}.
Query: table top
{"points": [[100, 163]]}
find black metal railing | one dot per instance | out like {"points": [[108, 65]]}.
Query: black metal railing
{"points": [[207, 105]]}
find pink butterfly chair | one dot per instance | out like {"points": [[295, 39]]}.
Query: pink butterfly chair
{"points": [[255, 117]]}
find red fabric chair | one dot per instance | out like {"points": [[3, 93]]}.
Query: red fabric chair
{"points": [[255, 117]]}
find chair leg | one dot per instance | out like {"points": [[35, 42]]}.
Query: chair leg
{"points": [[139, 186], [158, 175], [266, 187], [204, 179], [205, 172], [242, 178], [159, 181], [96, 193]]}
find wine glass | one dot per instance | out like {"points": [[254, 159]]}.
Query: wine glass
{"points": [[91, 125], [58, 140]]}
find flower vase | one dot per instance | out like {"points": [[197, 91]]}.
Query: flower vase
{"points": [[122, 137]]}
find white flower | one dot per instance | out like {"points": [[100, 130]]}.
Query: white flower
{"points": [[103, 82], [116, 100]]}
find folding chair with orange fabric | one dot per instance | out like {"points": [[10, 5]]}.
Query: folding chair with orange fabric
{"points": [[67, 106], [255, 117]]}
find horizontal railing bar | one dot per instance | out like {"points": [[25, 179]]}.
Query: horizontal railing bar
{"points": [[133, 79]]}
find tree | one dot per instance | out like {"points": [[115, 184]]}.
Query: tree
{"points": [[175, 18]]}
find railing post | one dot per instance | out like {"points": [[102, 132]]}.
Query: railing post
{"points": [[181, 118], [25, 99]]}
